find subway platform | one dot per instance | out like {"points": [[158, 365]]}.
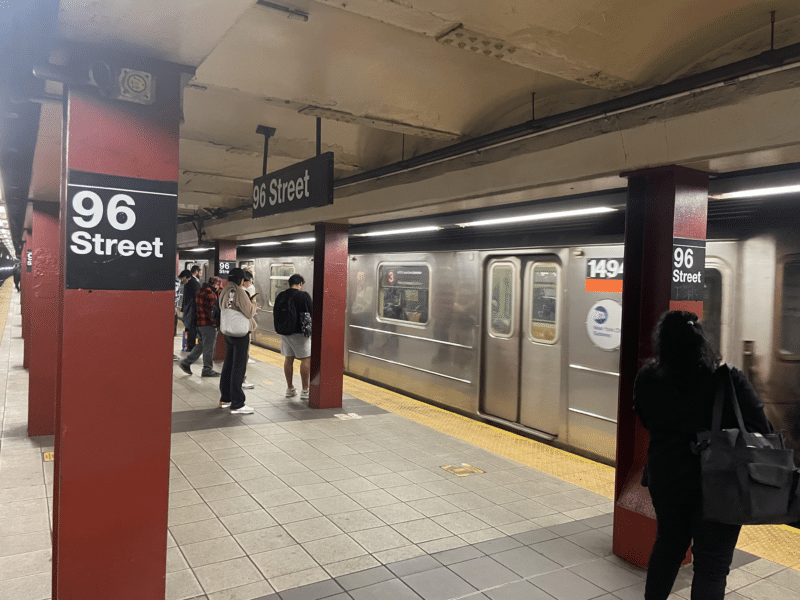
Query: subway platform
{"points": [[385, 498]]}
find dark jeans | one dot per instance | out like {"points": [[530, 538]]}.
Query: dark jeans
{"points": [[712, 550], [232, 377], [208, 339]]}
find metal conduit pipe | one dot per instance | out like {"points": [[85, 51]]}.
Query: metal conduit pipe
{"points": [[750, 68]]}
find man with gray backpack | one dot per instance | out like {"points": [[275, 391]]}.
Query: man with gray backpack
{"points": [[292, 319]]}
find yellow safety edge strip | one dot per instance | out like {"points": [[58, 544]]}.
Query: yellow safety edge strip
{"points": [[778, 543], [6, 291]]}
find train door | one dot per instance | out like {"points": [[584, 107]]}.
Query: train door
{"points": [[522, 350]]}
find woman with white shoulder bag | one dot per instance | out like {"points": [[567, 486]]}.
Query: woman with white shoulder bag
{"points": [[236, 325]]}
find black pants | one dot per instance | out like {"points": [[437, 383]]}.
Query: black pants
{"points": [[232, 376], [712, 551], [191, 338]]}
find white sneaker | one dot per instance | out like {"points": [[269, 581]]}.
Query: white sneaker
{"points": [[245, 410], [304, 395], [247, 385], [291, 392], [251, 360], [224, 404]]}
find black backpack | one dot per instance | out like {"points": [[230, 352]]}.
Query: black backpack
{"points": [[284, 313]]}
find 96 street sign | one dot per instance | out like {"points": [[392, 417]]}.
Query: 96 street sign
{"points": [[305, 185], [224, 267], [120, 233], [688, 268]]}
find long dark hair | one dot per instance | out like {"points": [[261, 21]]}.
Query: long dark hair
{"points": [[681, 345]]}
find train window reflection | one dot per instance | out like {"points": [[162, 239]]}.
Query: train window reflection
{"points": [[544, 303], [712, 307], [501, 322], [790, 309], [279, 280], [403, 293]]}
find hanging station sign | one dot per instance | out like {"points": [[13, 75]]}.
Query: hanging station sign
{"points": [[307, 184], [120, 233], [688, 266]]}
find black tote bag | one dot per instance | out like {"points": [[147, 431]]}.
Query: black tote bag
{"points": [[747, 478]]}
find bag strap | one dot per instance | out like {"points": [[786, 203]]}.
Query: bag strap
{"points": [[725, 388]]}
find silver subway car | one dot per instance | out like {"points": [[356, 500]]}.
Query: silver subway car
{"points": [[529, 337]]}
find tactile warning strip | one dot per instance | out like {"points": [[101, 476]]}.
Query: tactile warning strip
{"points": [[778, 543], [6, 291]]}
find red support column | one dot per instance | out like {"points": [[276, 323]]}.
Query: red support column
{"points": [[42, 301], [113, 421], [330, 305], [224, 252], [665, 206]]}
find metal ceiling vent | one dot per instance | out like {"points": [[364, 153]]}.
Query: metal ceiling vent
{"points": [[458, 37], [377, 123]]}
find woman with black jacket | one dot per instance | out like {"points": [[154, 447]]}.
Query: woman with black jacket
{"points": [[674, 397]]}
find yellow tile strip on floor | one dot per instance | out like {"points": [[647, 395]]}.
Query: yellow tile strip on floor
{"points": [[6, 291], [778, 543]]}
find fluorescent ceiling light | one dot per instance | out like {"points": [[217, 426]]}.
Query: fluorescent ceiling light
{"points": [[302, 240], [770, 191], [291, 13], [377, 123], [562, 214], [264, 244], [200, 249], [400, 231]]}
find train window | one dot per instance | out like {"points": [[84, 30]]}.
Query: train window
{"points": [[501, 318], [712, 307], [544, 303], [790, 309], [403, 293], [279, 280]]}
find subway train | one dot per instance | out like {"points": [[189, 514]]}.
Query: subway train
{"points": [[512, 315]]}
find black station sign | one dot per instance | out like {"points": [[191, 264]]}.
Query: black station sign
{"points": [[120, 233], [688, 267], [307, 184], [28, 260], [224, 267]]}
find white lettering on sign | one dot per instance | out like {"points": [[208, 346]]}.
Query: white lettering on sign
{"points": [[604, 268], [281, 191], [688, 266], [684, 277], [120, 216]]}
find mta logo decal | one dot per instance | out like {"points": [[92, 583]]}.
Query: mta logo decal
{"points": [[600, 315]]}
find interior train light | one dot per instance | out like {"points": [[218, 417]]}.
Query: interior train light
{"points": [[200, 249], [263, 244], [561, 214], [307, 240], [400, 231], [770, 191]]}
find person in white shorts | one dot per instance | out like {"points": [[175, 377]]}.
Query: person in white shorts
{"points": [[296, 344]]}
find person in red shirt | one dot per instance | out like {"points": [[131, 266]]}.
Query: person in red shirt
{"points": [[205, 300]]}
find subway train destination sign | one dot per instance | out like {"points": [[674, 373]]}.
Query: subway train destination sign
{"points": [[307, 184], [688, 269], [120, 233], [604, 275]]}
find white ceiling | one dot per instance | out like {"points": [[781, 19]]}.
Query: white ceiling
{"points": [[381, 59]]}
